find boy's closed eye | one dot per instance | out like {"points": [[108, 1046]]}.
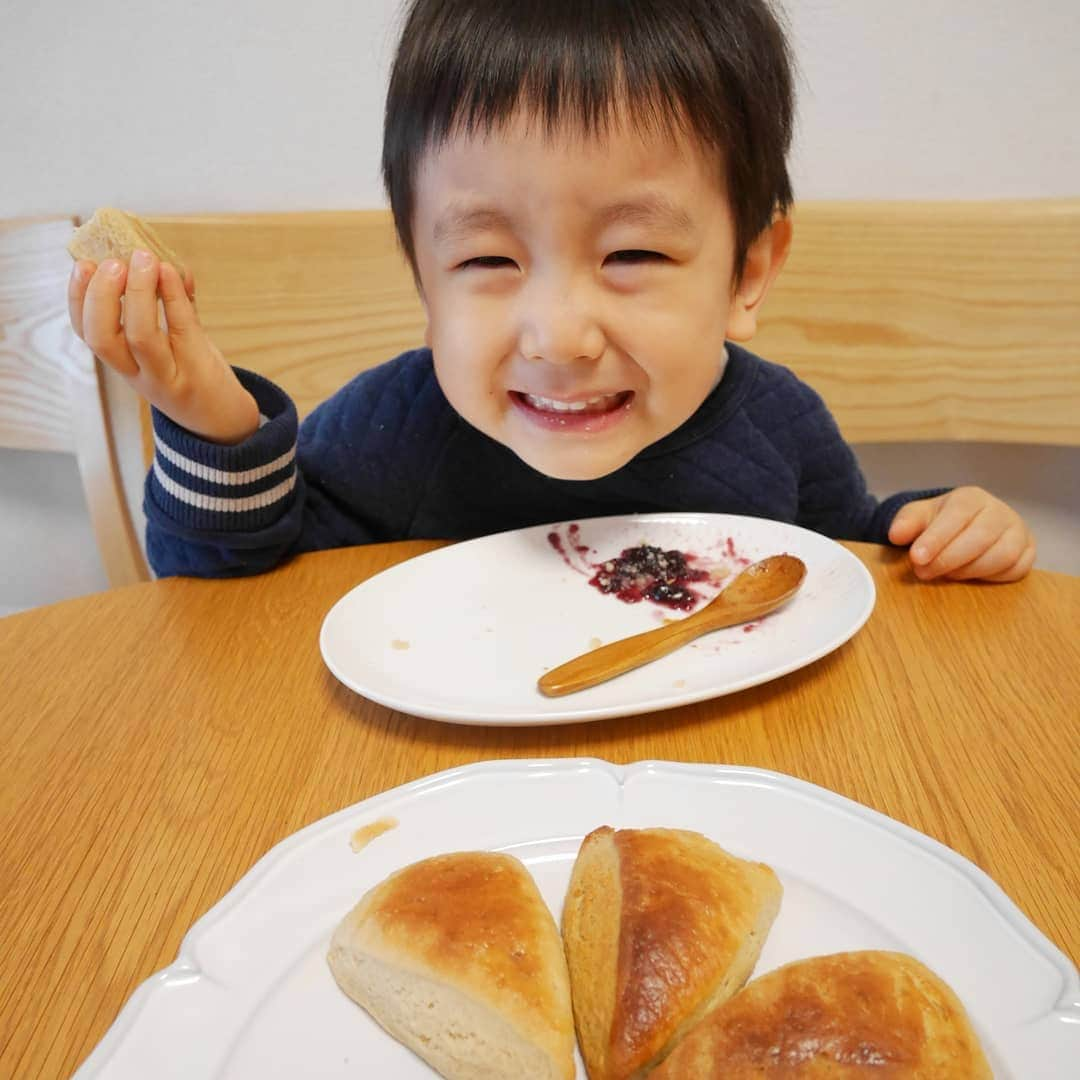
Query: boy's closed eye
{"points": [[630, 256], [486, 262], [626, 257]]}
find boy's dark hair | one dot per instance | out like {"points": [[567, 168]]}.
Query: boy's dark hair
{"points": [[720, 69]]}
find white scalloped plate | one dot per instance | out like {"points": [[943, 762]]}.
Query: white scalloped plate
{"points": [[250, 996], [463, 633]]}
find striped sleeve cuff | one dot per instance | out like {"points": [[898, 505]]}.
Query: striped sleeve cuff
{"points": [[203, 486]]}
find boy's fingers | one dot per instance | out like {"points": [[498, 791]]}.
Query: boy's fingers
{"points": [[1020, 568], [927, 550], [975, 540], [101, 327], [999, 558], [81, 273], [180, 315], [189, 283], [147, 342], [911, 519]]}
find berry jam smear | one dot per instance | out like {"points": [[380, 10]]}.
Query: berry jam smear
{"points": [[650, 573], [574, 536]]}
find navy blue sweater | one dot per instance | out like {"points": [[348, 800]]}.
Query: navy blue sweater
{"points": [[387, 458]]}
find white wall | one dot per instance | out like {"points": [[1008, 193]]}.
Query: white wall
{"points": [[267, 104], [168, 106], [222, 105], [928, 99]]}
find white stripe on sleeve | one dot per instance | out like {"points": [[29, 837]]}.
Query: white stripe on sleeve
{"points": [[220, 504], [220, 476]]}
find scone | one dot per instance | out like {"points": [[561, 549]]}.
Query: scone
{"points": [[858, 1014], [659, 926], [459, 958], [115, 234]]}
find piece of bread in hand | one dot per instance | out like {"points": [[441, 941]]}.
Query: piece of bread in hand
{"points": [[872, 1014], [115, 234], [659, 926], [459, 958]]}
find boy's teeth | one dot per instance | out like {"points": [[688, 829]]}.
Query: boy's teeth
{"points": [[551, 405]]}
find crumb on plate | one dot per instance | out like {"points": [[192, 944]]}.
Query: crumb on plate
{"points": [[366, 833]]}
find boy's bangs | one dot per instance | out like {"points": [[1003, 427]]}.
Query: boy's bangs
{"points": [[715, 70], [585, 82]]}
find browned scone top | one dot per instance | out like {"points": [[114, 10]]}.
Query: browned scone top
{"points": [[858, 1014], [659, 926], [477, 922]]}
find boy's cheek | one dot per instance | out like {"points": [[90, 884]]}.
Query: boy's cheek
{"points": [[467, 375], [470, 335]]}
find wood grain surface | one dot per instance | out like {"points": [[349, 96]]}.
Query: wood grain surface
{"points": [[915, 321], [935, 321], [54, 395], [39, 354], [307, 299], [158, 739]]}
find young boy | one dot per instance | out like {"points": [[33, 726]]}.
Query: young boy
{"points": [[593, 199]]}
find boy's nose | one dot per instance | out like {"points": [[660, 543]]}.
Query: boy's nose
{"points": [[558, 326]]}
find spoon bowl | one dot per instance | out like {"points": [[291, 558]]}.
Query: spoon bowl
{"points": [[759, 589]]}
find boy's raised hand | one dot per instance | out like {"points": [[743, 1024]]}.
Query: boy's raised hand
{"points": [[964, 535], [179, 369]]}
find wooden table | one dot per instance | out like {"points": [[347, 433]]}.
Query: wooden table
{"points": [[157, 740]]}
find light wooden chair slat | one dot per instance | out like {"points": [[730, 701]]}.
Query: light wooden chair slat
{"points": [[915, 321], [55, 396], [936, 321], [307, 299]]}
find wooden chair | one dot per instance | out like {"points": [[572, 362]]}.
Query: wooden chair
{"points": [[915, 321], [926, 322], [54, 395], [307, 299]]}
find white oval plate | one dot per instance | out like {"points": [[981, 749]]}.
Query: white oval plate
{"points": [[250, 996], [463, 633]]}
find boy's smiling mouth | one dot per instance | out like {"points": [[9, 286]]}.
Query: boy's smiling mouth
{"points": [[596, 404], [589, 413]]}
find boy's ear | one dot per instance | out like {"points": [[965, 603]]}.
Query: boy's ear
{"points": [[764, 260]]}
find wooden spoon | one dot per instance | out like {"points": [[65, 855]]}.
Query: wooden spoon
{"points": [[759, 589]]}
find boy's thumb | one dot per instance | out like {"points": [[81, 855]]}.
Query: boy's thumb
{"points": [[910, 521]]}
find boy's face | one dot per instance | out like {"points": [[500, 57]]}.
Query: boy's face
{"points": [[578, 291]]}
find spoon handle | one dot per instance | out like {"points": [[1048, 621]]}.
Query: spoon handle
{"points": [[617, 657]]}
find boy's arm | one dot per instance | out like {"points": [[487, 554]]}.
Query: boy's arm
{"points": [[962, 534], [833, 497], [230, 510], [966, 534], [233, 488], [353, 474]]}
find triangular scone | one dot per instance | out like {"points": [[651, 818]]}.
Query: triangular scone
{"points": [[459, 958], [115, 234], [859, 1014], [659, 926]]}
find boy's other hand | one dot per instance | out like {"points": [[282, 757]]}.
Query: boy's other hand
{"points": [[964, 535], [178, 369]]}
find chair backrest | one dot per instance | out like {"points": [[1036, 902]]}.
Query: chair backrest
{"points": [[54, 395], [915, 321], [307, 299], [935, 321]]}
